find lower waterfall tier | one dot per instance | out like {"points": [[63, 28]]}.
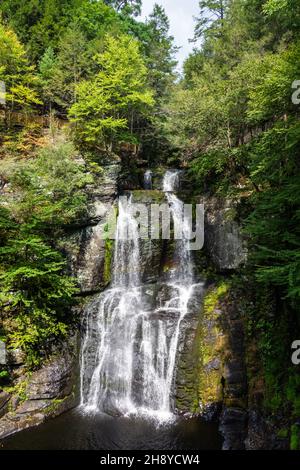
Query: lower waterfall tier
{"points": [[138, 377]]}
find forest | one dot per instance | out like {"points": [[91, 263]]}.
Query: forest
{"points": [[86, 83]]}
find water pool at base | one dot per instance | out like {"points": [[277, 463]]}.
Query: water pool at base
{"points": [[75, 431]]}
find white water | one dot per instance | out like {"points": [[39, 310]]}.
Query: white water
{"points": [[129, 352], [148, 179]]}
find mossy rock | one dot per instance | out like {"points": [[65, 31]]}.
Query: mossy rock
{"points": [[148, 196], [295, 437]]}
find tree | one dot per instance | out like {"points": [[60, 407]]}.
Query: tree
{"points": [[39, 23], [48, 75], [15, 71], [211, 20], [61, 73], [127, 6], [36, 294], [193, 66], [160, 51], [108, 104]]}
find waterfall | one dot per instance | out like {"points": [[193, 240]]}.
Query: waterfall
{"points": [[184, 272], [148, 179], [130, 349]]}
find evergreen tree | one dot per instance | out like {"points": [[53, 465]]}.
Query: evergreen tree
{"points": [[36, 294], [211, 19], [39, 22], [160, 51]]}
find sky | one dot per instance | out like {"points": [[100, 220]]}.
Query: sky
{"points": [[180, 13]]}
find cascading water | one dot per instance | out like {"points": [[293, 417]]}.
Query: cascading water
{"points": [[148, 179], [129, 351]]}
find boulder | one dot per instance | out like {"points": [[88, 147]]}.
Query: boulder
{"points": [[16, 357]]}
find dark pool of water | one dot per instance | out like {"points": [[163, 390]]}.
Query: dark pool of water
{"points": [[73, 430]]}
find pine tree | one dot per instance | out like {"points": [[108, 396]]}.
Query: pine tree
{"points": [[211, 19]]}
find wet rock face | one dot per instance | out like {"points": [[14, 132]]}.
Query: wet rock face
{"points": [[16, 357], [233, 427], [214, 355], [4, 402], [84, 245], [224, 244], [46, 393], [151, 250], [187, 371], [263, 435], [52, 381]]}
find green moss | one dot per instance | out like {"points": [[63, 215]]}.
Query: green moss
{"points": [[214, 296], [210, 344], [295, 437], [55, 405], [109, 244], [231, 214], [151, 196], [283, 433], [19, 390]]}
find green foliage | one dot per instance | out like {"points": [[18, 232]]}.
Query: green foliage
{"points": [[212, 299], [4, 377], [212, 14], [16, 72], [20, 389], [50, 189], [60, 73], [159, 50], [36, 295], [39, 22], [108, 260], [276, 238], [109, 104], [295, 437], [66, 39], [126, 6], [286, 13]]}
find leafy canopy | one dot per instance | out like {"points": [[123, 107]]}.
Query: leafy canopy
{"points": [[108, 104]]}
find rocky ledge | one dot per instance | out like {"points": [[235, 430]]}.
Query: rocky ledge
{"points": [[41, 395]]}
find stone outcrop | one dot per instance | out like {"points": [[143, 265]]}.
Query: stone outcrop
{"points": [[84, 245], [213, 371], [224, 245], [216, 352], [44, 394]]}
